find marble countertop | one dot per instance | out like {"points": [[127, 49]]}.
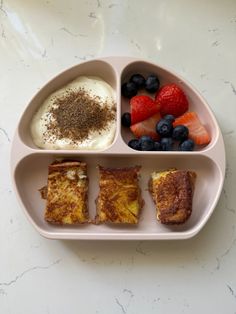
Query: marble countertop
{"points": [[196, 39]]}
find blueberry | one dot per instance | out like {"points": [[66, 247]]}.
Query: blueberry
{"points": [[146, 143], [138, 80], [166, 143], [187, 145], [134, 144], [129, 89], [164, 128], [169, 117], [157, 146], [145, 138], [126, 119], [152, 83], [180, 133]]}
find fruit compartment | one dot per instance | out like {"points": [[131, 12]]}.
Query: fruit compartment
{"points": [[196, 101], [31, 174], [99, 68]]}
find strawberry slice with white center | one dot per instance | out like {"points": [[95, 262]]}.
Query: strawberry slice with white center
{"points": [[146, 127], [197, 131]]}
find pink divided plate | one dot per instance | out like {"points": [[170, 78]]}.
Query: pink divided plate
{"points": [[29, 164]]}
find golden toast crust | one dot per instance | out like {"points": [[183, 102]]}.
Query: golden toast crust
{"points": [[119, 199], [172, 192], [66, 193]]}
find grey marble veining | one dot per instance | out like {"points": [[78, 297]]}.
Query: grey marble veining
{"points": [[38, 39]]}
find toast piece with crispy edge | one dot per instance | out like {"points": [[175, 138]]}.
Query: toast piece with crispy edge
{"points": [[119, 199], [66, 193], [172, 192]]}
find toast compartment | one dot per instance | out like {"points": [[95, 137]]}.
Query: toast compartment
{"points": [[31, 174]]}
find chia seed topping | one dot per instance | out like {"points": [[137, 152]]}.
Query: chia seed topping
{"points": [[78, 113]]}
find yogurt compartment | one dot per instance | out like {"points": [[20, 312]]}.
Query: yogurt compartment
{"points": [[80, 115]]}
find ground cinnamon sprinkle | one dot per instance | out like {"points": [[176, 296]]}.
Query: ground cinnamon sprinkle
{"points": [[78, 113]]}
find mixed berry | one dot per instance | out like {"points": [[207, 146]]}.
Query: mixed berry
{"points": [[152, 83], [129, 89], [138, 80], [161, 121]]}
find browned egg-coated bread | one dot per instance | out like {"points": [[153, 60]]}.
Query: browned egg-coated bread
{"points": [[172, 192], [119, 199], [66, 193]]}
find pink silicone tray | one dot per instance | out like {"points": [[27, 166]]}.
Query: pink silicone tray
{"points": [[29, 164]]}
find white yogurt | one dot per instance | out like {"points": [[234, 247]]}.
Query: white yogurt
{"points": [[44, 138]]}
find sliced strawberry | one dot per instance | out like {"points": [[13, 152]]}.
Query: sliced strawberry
{"points": [[142, 107], [146, 127], [197, 131], [172, 100]]}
